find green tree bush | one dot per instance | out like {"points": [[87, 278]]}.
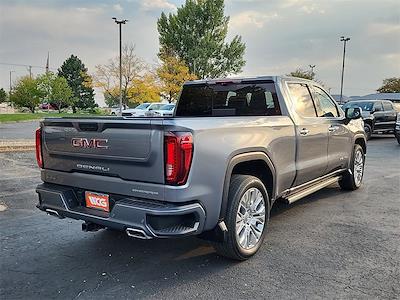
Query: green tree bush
{"points": [[76, 74], [196, 34], [390, 85], [3, 95], [26, 93]]}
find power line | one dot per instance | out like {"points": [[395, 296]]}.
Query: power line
{"points": [[22, 65]]}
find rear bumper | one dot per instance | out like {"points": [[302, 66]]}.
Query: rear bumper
{"points": [[154, 218]]}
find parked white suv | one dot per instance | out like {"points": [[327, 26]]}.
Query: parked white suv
{"points": [[142, 110]]}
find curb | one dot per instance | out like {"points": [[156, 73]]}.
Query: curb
{"points": [[17, 145], [22, 121]]}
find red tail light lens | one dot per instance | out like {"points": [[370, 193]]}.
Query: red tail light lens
{"points": [[39, 157], [178, 157]]}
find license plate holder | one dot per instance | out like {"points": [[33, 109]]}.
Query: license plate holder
{"points": [[97, 201]]}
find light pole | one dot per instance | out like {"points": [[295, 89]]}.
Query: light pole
{"points": [[344, 40], [312, 69], [120, 22]]}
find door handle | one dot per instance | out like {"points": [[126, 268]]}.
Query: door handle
{"points": [[333, 128], [304, 131]]}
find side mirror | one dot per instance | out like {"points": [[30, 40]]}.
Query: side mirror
{"points": [[353, 113]]}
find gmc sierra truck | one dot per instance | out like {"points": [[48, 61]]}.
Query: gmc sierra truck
{"points": [[232, 148]]}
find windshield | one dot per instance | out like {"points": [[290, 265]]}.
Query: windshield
{"points": [[247, 98], [168, 107], [363, 105], [155, 106], [142, 106]]}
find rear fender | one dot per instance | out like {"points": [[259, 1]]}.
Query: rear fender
{"points": [[244, 157]]}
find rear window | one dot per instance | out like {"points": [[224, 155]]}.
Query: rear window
{"points": [[228, 99]]}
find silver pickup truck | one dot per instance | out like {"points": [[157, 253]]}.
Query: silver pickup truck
{"points": [[214, 169]]}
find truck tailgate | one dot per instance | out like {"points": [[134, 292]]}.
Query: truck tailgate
{"points": [[129, 149]]}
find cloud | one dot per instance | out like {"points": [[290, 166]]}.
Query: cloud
{"points": [[118, 8], [157, 5], [250, 19]]}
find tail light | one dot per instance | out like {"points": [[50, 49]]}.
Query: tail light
{"points": [[39, 157], [178, 157]]}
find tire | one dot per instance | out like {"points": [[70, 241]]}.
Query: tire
{"points": [[352, 180], [368, 131], [251, 221]]}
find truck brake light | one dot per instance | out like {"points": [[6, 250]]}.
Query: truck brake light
{"points": [[39, 157], [178, 156]]}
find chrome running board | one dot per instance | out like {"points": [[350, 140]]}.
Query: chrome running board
{"points": [[310, 190]]}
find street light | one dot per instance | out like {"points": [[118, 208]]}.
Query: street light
{"points": [[344, 40], [120, 22]]}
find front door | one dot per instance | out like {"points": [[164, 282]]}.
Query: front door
{"points": [[379, 116], [339, 137]]}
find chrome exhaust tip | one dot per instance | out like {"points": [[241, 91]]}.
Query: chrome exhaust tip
{"points": [[137, 233], [54, 213]]}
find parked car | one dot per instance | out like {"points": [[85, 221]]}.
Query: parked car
{"points": [[142, 110], [378, 115], [48, 106], [232, 149], [166, 110], [397, 128], [114, 110]]}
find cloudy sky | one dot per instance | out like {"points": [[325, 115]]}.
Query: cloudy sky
{"points": [[281, 35]]}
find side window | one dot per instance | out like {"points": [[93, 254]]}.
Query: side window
{"points": [[302, 98], [387, 106], [378, 106], [324, 104]]}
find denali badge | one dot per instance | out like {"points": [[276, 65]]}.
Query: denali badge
{"points": [[89, 143]]}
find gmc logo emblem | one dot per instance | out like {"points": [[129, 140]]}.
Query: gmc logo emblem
{"points": [[89, 143]]}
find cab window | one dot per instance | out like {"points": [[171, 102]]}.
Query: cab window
{"points": [[324, 104], [387, 106], [302, 99], [378, 106]]}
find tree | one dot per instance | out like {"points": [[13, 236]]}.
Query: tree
{"points": [[26, 93], [44, 82], [111, 97], [55, 90], [390, 85], [173, 73], [3, 95], [196, 34], [144, 89], [107, 76], [61, 93], [302, 74], [76, 74]]}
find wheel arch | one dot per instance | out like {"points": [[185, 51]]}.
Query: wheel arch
{"points": [[250, 163], [360, 140]]}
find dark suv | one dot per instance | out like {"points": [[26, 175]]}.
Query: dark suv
{"points": [[378, 115]]}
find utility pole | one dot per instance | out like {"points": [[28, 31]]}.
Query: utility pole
{"points": [[30, 71], [120, 22], [344, 40], [9, 95]]}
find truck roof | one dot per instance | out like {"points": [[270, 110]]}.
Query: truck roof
{"points": [[251, 78]]}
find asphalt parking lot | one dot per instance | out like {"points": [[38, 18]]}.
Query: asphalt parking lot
{"points": [[332, 244], [19, 130]]}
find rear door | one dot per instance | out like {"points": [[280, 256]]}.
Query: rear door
{"points": [[127, 149], [312, 136], [390, 115]]}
